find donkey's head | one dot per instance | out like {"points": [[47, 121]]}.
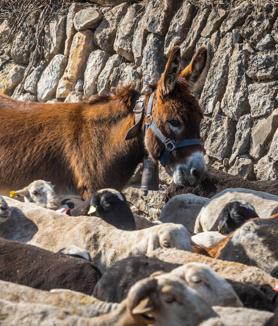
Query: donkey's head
{"points": [[173, 136]]}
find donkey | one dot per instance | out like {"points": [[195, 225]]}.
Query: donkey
{"points": [[83, 147]]}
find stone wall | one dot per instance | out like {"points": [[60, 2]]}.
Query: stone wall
{"points": [[91, 48]]}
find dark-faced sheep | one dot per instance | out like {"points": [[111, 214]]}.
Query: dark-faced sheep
{"points": [[5, 211]]}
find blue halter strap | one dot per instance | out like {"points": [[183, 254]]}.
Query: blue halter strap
{"points": [[170, 145]]}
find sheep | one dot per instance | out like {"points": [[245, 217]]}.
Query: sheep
{"points": [[159, 301], [234, 214], [254, 243], [41, 269], [39, 192], [5, 211], [183, 209], [208, 219], [207, 239], [109, 204], [253, 286], [117, 280], [105, 243]]}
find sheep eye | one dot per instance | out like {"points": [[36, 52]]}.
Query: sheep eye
{"points": [[196, 279], [175, 123], [35, 193], [166, 244]]}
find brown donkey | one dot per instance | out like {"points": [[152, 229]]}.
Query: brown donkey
{"points": [[82, 147]]}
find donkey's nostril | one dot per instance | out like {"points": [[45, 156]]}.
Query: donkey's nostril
{"points": [[195, 173]]}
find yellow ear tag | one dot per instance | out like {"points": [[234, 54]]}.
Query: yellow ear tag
{"points": [[92, 210], [13, 194]]}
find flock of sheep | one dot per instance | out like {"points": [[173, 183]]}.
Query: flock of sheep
{"points": [[96, 262]]}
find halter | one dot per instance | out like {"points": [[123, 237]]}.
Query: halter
{"points": [[170, 145]]}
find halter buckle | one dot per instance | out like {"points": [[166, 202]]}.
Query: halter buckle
{"points": [[169, 145]]}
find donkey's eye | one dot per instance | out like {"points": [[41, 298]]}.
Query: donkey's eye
{"points": [[175, 123]]}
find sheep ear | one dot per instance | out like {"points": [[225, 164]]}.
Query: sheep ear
{"points": [[144, 306], [169, 77], [153, 243], [194, 70]]}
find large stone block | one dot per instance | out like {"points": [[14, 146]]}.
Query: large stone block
{"points": [[180, 25], [95, 64], [106, 31], [243, 166], [159, 14], [81, 47], [214, 21], [263, 66], [217, 77], [47, 85], [87, 18], [220, 137], [187, 47], [267, 167], [139, 40], [235, 102], [125, 31], [104, 83], [153, 60], [10, 77], [262, 134], [263, 98], [55, 36], [31, 81], [242, 137]]}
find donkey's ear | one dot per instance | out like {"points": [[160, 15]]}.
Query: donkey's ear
{"points": [[169, 77], [194, 70]]}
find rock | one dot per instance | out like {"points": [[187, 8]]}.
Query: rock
{"points": [[243, 166], [214, 21], [31, 81], [234, 316], [70, 30], [262, 134], [263, 67], [266, 43], [264, 203], [125, 31], [263, 98], [139, 40], [103, 84], [4, 31], [267, 167], [220, 137], [10, 77], [47, 85], [187, 47], [180, 25], [158, 15], [242, 137], [74, 97], [22, 46], [153, 61], [235, 102], [217, 75], [236, 17], [111, 2], [26, 97], [94, 66], [254, 243], [55, 35], [126, 74], [106, 31], [80, 49], [87, 18], [183, 209]]}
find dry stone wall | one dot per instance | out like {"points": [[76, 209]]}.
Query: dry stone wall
{"points": [[93, 47]]}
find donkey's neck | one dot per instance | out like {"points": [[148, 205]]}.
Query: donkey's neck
{"points": [[114, 159]]}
